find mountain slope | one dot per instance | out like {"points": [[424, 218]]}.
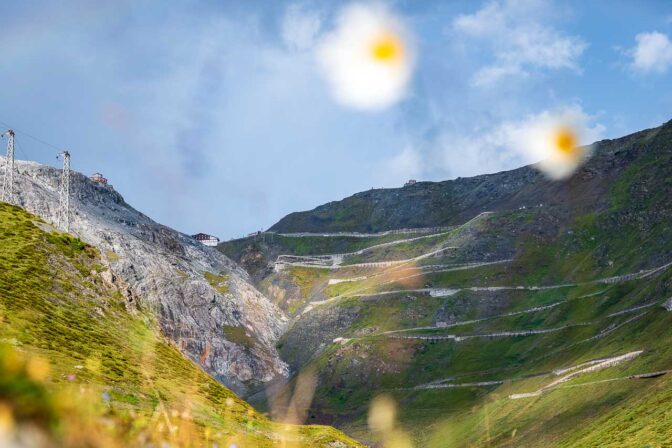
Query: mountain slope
{"points": [[452, 202], [80, 366], [517, 312], [203, 301]]}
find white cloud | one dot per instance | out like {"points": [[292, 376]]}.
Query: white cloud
{"points": [[507, 145], [519, 38], [300, 27], [405, 165], [653, 53]]}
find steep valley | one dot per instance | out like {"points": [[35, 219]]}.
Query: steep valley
{"points": [[499, 310]]}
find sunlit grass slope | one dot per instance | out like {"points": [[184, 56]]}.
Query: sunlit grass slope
{"points": [[80, 368]]}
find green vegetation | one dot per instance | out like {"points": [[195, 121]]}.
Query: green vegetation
{"points": [[401, 251], [238, 335], [80, 369], [452, 342], [306, 279], [307, 245], [457, 415], [112, 256], [218, 281], [317, 245]]}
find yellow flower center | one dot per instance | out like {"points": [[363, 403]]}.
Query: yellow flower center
{"points": [[566, 142], [387, 49]]}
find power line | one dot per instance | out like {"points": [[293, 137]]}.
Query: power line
{"points": [[37, 139], [21, 150], [63, 213]]}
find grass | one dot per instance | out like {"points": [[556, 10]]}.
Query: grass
{"points": [[613, 219], [308, 282], [218, 281], [307, 245], [238, 335], [354, 373], [79, 368], [460, 412]]}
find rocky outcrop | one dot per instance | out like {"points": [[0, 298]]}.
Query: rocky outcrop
{"points": [[668, 304], [195, 292], [310, 334]]}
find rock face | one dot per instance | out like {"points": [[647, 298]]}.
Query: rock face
{"points": [[195, 292], [668, 304]]}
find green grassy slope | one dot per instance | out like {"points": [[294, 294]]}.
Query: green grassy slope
{"points": [[452, 352], [79, 368]]}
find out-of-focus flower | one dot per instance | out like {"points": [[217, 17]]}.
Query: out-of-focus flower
{"points": [[11, 362], [302, 397], [6, 421], [398, 439], [38, 369], [382, 414], [557, 141], [368, 59], [382, 421], [563, 152], [409, 276]]}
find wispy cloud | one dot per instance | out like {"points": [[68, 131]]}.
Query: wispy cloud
{"points": [[489, 149], [300, 26], [225, 100], [652, 54], [407, 164], [520, 39]]}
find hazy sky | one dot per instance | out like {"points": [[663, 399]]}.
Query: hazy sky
{"points": [[212, 116]]}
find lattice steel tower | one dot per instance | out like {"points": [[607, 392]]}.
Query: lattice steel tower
{"points": [[8, 182], [64, 197]]}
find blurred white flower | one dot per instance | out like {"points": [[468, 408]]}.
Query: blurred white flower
{"points": [[558, 141], [367, 59]]}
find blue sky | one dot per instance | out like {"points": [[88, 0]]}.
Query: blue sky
{"points": [[213, 116]]}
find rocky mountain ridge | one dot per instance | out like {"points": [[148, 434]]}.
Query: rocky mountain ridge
{"points": [[203, 301], [452, 202]]}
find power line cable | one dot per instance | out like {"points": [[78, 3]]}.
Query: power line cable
{"points": [[37, 139], [20, 148]]}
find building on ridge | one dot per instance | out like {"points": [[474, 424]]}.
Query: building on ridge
{"points": [[98, 178], [207, 240]]}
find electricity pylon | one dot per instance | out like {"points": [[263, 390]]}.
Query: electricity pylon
{"points": [[64, 197], [8, 183]]}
